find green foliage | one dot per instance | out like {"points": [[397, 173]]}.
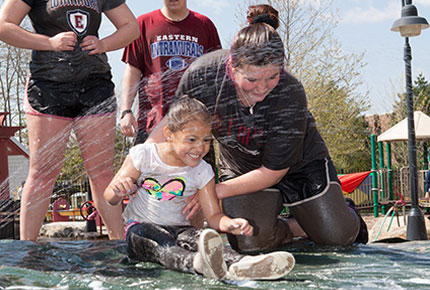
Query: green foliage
{"points": [[421, 92], [342, 126], [421, 101]]}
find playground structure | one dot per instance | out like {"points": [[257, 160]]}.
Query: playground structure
{"points": [[8, 206], [62, 212], [383, 187]]}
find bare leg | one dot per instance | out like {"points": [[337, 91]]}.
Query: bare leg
{"points": [[96, 136], [47, 141]]}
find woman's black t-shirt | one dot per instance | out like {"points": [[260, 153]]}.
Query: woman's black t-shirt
{"points": [[279, 133], [83, 17]]}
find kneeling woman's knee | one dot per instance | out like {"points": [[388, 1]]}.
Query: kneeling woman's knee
{"points": [[327, 220], [344, 234]]}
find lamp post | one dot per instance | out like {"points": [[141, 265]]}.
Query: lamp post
{"points": [[410, 24]]}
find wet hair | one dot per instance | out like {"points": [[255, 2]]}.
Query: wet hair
{"points": [[263, 13], [187, 109], [258, 43]]}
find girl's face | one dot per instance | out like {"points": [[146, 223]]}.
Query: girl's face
{"points": [[254, 83], [190, 144]]}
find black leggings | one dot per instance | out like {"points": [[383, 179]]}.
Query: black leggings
{"points": [[174, 247]]}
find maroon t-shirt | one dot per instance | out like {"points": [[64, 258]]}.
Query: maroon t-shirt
{"points": [[163, 51]]}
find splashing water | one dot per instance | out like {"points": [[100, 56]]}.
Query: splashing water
{"points": [[100, 265]]}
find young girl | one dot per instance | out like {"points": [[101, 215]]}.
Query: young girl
{"points": [[166, 174], [270, 150]]}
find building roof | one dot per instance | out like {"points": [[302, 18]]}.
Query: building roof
{"points": [[399, 132], [14, 147]]}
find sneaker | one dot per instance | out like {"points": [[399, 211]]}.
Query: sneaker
{"points": [[212, 254], [270, 266], [363, 235]]}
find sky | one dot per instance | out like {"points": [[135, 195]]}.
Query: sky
{"points": [[364, 27]]}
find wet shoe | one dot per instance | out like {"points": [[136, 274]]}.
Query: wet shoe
{"points": [[211, 254], [270, 266], [363, 235]]}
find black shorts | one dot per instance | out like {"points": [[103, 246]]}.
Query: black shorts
{"points": [[310, 182], [92, 96]]}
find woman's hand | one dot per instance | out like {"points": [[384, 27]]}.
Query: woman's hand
{"points": [[93, 45], [128, 125], [237, 226], [63, 41]]}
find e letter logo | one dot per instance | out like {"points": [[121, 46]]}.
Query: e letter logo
{"points": [[78, 20]]}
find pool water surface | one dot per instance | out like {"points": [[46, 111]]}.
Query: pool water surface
{"points": [[101, 265]]}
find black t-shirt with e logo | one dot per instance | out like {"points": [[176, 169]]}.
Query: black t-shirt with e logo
{"points": [[83, 17]]}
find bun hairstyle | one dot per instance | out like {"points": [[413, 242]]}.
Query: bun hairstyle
{"points": [[258, 43], [263, 13]]}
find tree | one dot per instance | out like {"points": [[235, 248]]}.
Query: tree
{"points": [[330, 77], [421, 101], [13, 72], [343, 129], [421, 93]]}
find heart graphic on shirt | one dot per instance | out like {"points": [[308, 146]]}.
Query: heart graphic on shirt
{"points": [[167, 191]]}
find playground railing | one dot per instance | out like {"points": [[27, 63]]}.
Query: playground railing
{"points": [[405, 182], [362, 195]]}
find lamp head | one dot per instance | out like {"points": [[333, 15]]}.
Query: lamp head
{"points": [[410, 24]]}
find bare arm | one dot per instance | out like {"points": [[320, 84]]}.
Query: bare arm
{"points": [[127, 30], [252, 181], [12, 13], [216, 218], [123, 184], [129, 87]]}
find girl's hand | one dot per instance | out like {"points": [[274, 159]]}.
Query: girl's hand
{"points": [[240, 226], [192, 206], [63, 41], [124, 187], [92, 44]]}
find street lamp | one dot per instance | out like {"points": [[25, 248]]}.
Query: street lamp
{"points": [[410, 24]]}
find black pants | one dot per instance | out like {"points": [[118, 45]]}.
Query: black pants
{"points": [[314, 197], [141, 137], [174, 247]]}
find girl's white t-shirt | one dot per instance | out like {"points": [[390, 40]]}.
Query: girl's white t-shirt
{"points": [[162, 189]]}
